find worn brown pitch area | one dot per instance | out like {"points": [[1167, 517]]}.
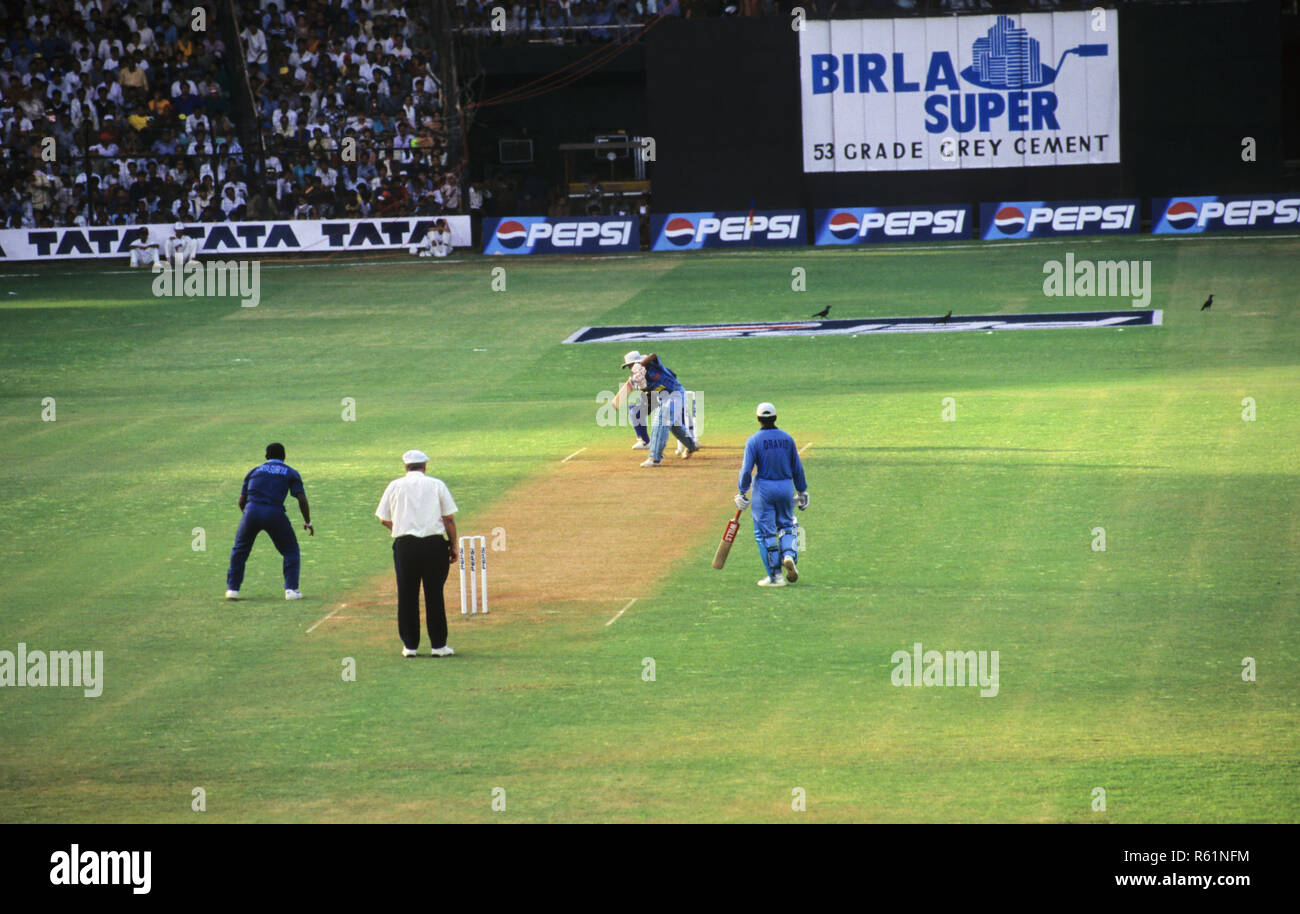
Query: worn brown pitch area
{"points": [[591, 533], [603, 528]]}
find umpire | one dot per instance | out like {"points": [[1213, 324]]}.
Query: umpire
{"points": [[418, 510]]}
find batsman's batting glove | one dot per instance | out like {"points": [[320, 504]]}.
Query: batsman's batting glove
{"points": [[802, 500], [742, 501]]}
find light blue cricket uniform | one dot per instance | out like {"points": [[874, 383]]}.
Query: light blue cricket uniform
{"points": [[662, 385], [780, 475]]}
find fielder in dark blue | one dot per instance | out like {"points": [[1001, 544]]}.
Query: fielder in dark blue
{"points": [[262, 501], [773, 454]]}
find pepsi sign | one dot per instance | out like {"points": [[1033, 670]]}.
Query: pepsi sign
{"points": [[988, 91], [1037, 219], [692, 231], [544, 235], [1255, 212], [875, 224]]}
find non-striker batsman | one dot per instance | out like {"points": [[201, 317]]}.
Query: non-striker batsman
{"points": [[772, 453]]}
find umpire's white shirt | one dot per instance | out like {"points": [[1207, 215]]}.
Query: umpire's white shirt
{"points": [[416, 504]]}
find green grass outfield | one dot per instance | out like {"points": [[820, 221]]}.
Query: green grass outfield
{"points": [[1118, 669]]}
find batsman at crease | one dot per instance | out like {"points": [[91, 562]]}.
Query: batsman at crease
{"points": [[666, 393]]}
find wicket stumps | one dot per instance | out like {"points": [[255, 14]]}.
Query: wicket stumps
{"points": [[690, 418], [471, 544]]}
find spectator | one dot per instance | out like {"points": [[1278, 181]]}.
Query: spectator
{"points": [[255, 46], [449, 193]]}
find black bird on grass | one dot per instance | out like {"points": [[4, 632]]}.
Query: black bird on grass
{"points": [[823, 312], [1209, 301], [944, 319]]}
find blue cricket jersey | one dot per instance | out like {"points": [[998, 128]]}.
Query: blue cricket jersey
{"points": [[776, 457], [658, 377], [270, 483]]}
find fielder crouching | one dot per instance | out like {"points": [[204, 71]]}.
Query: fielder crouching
{"points": [[144, 252], [773, 454], [437, 241], [180, 247]]}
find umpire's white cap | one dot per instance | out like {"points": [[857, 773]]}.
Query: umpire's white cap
{"points": [[765, 411], [415, 457], [631, 357]]}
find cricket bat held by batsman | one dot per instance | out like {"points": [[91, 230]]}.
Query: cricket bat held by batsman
{"points": [[728, 537]]}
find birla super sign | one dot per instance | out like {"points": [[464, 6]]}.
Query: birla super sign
{"points": [[960, 92]]}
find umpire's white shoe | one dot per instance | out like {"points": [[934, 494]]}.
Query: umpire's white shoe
{"points": [[791, 572], [444, 651], [293, 595], [410, 652], [232, 594], [641, 445], [777, 581], [650, 462]]}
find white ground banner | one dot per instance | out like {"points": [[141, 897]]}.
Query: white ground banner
{"points": [[231, 239]]}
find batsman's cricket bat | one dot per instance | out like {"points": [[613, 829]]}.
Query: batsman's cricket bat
{"points": [[621, 397], [728, 537]]}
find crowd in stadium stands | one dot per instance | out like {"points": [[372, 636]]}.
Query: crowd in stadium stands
{"points": [[121, 103], [138, 106], [360, 73]]}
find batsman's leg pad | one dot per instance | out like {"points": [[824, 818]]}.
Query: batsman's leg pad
{"points": [[658, 434], [765, 533], [789, 540]]}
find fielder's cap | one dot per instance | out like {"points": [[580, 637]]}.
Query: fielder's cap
{"points": [[415, 457], [631, 357], [765, 411]]}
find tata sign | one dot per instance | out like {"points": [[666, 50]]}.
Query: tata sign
{"points": [[543, 235], [1258, 212], [1037, 219], [228, 239], [926, 94], [875, 224], [692, 231]]}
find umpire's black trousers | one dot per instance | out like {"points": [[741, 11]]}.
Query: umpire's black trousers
{"points": [[421, 559]]}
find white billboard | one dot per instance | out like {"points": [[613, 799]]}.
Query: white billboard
{"points": [[991, 91], [228, 239]]}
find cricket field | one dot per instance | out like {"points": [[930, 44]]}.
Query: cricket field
{"points": [[1114, 511]]}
